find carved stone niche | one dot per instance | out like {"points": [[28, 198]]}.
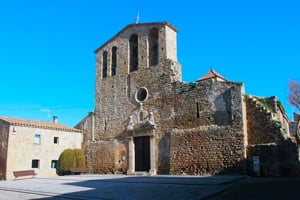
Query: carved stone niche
{"points": [[145, 130], [139, 122]]}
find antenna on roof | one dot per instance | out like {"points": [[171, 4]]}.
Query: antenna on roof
{"points": [[137, 17], [46, 110]]}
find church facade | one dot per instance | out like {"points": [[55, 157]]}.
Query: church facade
{"points": [[147, 120]]}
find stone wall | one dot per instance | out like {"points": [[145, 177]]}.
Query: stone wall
{"points": [[116, 98], [293, 128], [261, 127], [268, 138], [172, 104], [275, 159], [208, 102], [4, 130], [87, 127], [195, 128], [269, 161], [106, 157], [210, 134], [293, 125], [207, 150], [101, 156], [167, 47]]}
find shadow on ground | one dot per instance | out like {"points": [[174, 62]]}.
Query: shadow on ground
{"points": [[262, 189], [146, 187]]}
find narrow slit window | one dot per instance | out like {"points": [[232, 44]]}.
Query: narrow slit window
{"points": [[153, 47], [198, 114], [104, 64], [114, 61], [133, 45]]}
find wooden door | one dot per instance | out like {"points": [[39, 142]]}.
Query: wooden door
{"points": [[142, 153]]}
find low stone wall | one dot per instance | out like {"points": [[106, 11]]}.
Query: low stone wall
{"points": [[105, 157], [207, 150], [268, 155], [275, 159]]}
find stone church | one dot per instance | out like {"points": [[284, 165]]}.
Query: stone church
{"points": [[148, 121]]}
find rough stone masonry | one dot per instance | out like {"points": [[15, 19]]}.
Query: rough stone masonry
{"points": [[146, 120]]}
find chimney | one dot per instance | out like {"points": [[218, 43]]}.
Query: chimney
{"points": [[55, 119]]}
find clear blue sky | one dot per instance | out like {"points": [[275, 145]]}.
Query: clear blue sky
{"points": [[47, 48]]}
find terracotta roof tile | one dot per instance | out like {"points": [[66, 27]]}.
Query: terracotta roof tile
{"points": [[212, 74], [38, 124]]}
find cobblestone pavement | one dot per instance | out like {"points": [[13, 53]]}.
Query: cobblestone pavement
{"points": [[117, 187]]}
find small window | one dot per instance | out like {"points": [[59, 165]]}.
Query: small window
{"points": [[153, 47], [37, 138], [134, 49], [55, 141], [54, 164], [35, 164], [114, 61], [104, 64], [198, 114]]}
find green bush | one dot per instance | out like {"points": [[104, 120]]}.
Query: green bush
{"points": [[79, 158], [66, 161]]}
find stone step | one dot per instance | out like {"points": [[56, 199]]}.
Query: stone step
{"points": [[142, 173]]}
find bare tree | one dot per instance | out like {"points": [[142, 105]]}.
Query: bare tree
{"points": [[294, 93]]}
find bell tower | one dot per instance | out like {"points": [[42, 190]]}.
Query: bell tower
{"points": [[131, 70], [137, 46]]}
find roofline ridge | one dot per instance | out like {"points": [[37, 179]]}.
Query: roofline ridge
{"points": [[133, 25], [207, 75], [38, 124]]}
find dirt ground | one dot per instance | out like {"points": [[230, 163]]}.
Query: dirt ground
{"points": [[262, 188]]}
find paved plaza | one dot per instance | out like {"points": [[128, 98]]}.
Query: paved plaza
{"points": [[117, 187]]}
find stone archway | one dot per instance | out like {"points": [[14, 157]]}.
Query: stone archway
{"points": [[141, 154], [141, 143]]}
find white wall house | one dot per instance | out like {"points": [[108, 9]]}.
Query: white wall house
{"points": [[28, 144]]}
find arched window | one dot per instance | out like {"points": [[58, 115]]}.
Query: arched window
{"points": [[114, 61], [104, 64], [133, 45], [153, 47]]}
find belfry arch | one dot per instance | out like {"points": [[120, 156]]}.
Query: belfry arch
{"points": [[114, 61], [104, 64], [133, 47], [153, 47]]}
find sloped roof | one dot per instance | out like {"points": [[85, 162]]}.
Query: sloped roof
{"points": [[212, 74], [136, 25], [38, 124]]}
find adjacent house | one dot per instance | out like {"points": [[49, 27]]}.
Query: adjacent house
{"points": [[28, 144]]}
